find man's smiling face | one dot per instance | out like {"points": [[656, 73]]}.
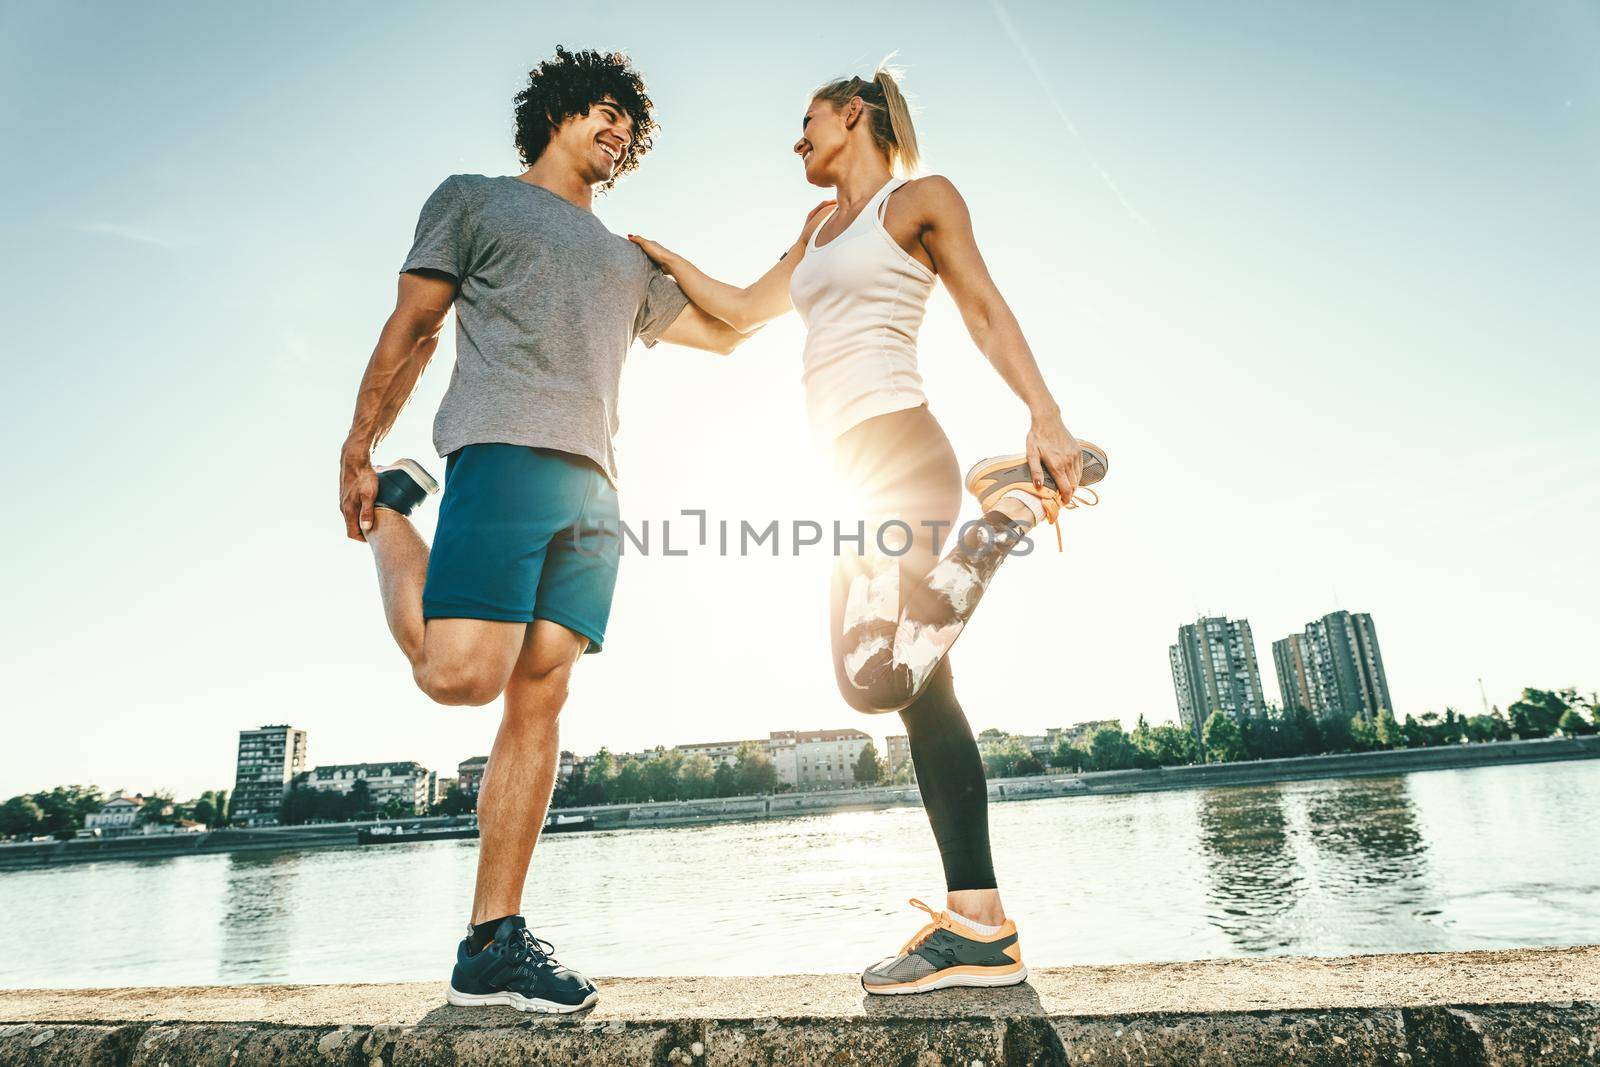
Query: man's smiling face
{"points": [[597, 142]]}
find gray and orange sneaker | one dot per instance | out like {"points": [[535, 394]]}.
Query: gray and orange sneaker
{"points": [[993, 478], [947, 953]]}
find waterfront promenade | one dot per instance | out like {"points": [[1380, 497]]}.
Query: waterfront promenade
{"points": [[791, 805], [1526, 1006]]}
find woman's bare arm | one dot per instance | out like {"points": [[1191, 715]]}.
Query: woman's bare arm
{"points": [[946, 233], [743, 309]]}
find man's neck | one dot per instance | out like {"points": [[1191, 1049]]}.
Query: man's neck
{"points": [[560, 178]]}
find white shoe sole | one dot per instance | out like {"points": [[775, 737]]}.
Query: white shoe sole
{"points": [[517, 1001], [952, 981], [413, 468]]}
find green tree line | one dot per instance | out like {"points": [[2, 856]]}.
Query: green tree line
{"points": [[60, 812], [1275, 734], [670, 775], [667, 775]]}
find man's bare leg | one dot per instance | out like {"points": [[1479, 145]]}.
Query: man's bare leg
{"points": [[401, 556], [515, 794], [454, 661]]}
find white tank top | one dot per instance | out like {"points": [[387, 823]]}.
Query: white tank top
{"points": [[862, 298]]}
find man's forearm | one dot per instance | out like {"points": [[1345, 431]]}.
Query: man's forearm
{"points": [[397, 363]]}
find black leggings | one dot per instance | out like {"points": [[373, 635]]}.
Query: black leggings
{"points": [[901, 467]]}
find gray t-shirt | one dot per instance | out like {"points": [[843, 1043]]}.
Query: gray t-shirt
{"points": [[549, 301]]}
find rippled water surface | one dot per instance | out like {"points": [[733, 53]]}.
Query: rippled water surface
{"points": [[1483, 858]]}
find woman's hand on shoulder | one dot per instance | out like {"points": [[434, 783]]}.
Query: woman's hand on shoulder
{"points": [[814, 218], [659, 254]]}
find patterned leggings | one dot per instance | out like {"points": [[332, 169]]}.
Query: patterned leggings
{"points": [[895, 616]]}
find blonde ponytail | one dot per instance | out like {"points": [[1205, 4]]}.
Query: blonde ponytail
{"points": [[903, 135], [888, 113]]}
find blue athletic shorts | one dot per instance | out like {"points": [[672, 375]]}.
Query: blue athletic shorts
{"points": [[525, 533]]}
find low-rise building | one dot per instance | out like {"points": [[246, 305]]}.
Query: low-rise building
{"points": [[405, 781], [117, 816], [782, 749], [899, 746], [1078, 733], [826, 759], [803, 759], [469, 774], [718, 752]]}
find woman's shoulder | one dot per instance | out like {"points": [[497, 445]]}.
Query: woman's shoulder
{"points": [[930, 200], [816, 217], [931, 188]]}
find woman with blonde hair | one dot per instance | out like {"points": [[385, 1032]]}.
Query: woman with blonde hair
{"points": [[860, 275]]}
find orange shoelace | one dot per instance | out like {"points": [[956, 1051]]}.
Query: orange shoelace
{"points": [[927, 931], [1053, 506]]}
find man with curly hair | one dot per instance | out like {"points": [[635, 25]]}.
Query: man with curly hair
{"points": [[519, 580]]}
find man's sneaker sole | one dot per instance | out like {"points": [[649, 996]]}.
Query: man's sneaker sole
{"points": [[973, 978], [516, 1000], [403, 485], [417, 472]]}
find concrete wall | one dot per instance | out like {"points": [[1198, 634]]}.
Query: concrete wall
{"points": [[1539, 1006]]}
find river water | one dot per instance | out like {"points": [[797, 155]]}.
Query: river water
{"points": [[1484, 858]]}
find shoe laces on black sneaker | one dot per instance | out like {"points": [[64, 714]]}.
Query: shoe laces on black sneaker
{"points": [[529, 951]]}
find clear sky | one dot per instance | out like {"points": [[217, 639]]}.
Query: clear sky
{"points": [[1321, 278]]}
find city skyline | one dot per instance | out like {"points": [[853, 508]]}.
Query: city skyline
{"points": [[1211, 641], [891, 747], [1333, 666], [1214, 668], [1318, 279]]}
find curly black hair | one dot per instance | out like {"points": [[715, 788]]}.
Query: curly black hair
{"points": [[569, 85]]}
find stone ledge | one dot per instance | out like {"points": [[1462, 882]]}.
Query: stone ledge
{"points": [[1536, 1006]]}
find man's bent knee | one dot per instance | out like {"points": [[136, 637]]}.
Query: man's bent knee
{"points": [[459, 684], [467, 661]]}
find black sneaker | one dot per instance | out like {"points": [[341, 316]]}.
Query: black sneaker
{"points": [[403, 485], [517, 969]]}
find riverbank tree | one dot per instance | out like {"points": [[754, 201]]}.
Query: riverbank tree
{"points": [[57, 812], [456, 801], [1538, 712], [1277, 733], [666, 774], [1272, 733], [1573, 724], [303, 804], [869, 768], [60, 812]]}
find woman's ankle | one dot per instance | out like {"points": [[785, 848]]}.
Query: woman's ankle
{"points": [[981, 906], [1021, 509]]}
